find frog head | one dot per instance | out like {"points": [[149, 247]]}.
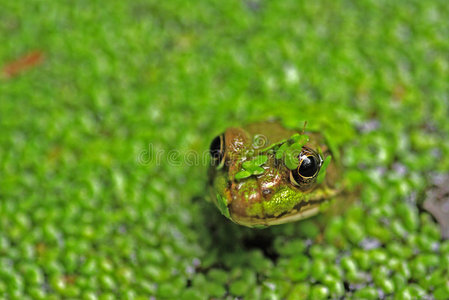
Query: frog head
{"points": [[264, 174]]}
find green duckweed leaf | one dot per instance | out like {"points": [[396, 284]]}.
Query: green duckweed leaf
{"points": [[301, 139], [247, 165], [223, 206], [297, 147], [295, 137], [252, 167], [242, 174], [291, 159], [281, 150], [258, 170], [252, 164], [260, 160]]}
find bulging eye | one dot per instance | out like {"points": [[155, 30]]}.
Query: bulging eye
{"points": [[308, 167], [217, 150]]}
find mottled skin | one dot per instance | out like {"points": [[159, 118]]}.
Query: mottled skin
{"points": [[269, 198]]}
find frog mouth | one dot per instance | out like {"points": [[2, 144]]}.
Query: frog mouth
{"points": [[302, 210], [301, 207]]}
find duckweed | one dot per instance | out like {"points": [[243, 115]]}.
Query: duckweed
{"points": [[104, 123]]}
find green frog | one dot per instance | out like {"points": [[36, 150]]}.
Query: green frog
{"points": [[264, 174]]}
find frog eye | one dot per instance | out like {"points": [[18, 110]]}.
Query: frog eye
{"points": [[217, 150], [308, 168]]}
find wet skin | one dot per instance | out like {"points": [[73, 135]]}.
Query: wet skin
{"points": [[264, 174]]}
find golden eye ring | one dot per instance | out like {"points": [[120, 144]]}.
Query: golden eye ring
{"points": [[308, 168]]}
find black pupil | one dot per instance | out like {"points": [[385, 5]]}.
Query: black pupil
{"points": [[308, 166], [215, 148]]}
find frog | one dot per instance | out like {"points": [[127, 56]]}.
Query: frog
{"points": [[263, 174]]}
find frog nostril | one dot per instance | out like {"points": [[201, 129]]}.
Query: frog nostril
{"points": [[266, 191]]}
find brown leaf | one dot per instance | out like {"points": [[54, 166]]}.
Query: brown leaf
{"points": [[23, 63]]}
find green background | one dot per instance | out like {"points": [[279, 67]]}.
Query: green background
{"points": [[86, 213]]}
